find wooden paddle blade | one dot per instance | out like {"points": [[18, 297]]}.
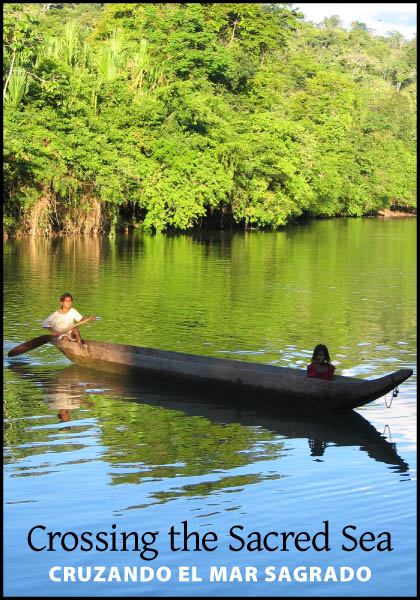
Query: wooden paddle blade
{"points": [[30, 345]]}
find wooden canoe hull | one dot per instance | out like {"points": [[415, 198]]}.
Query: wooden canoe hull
{"points": [[272, 383]]}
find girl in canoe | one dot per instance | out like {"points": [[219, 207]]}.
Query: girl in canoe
{"points": [[65, 317], [320, 367]]}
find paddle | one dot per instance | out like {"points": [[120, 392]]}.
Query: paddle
{"points": [[42, 339]]}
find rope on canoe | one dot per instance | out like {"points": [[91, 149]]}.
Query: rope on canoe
{"points": [[394, 394]]}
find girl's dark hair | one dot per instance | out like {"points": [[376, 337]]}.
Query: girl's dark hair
{"points": [[64, 296], [324, 349]]}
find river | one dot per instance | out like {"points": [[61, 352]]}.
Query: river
{"points": [[89, 452]]}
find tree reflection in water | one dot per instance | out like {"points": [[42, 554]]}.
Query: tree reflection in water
{"points": [[151, 431]]}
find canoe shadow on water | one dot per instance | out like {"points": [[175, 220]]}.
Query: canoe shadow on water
{"points": [[63, 391]]}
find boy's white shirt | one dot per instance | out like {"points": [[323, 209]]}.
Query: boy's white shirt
{"points": [[58, 321]]}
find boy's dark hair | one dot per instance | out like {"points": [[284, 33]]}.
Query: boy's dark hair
{"points": [[324, 349], [64, 296]]}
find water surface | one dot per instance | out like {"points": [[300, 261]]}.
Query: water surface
{"points": [[86, 451]]}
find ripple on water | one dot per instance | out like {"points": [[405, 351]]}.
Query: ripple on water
{"points": [[85, 452]]}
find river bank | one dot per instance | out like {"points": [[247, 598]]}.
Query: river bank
{"points": [[397, 213], [128, 227]]}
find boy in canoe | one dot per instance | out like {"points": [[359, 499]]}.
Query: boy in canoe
{"points": [[320, 367], [65, 317]]}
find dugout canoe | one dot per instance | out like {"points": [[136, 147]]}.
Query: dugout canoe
{"points": [[263, 382]]}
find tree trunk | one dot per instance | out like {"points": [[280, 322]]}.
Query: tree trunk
{"points": [[9, 75], [233, 32]]}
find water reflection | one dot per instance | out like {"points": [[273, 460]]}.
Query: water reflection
{"points": [[151, 430], [209, 293]]}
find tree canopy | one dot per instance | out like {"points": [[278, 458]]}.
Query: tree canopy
{"points": [[182, 115]]}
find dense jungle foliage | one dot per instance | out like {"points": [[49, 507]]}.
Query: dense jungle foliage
{"points": [[174, 116]]}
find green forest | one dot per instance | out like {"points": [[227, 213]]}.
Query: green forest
{"points": [[184, 115]]}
